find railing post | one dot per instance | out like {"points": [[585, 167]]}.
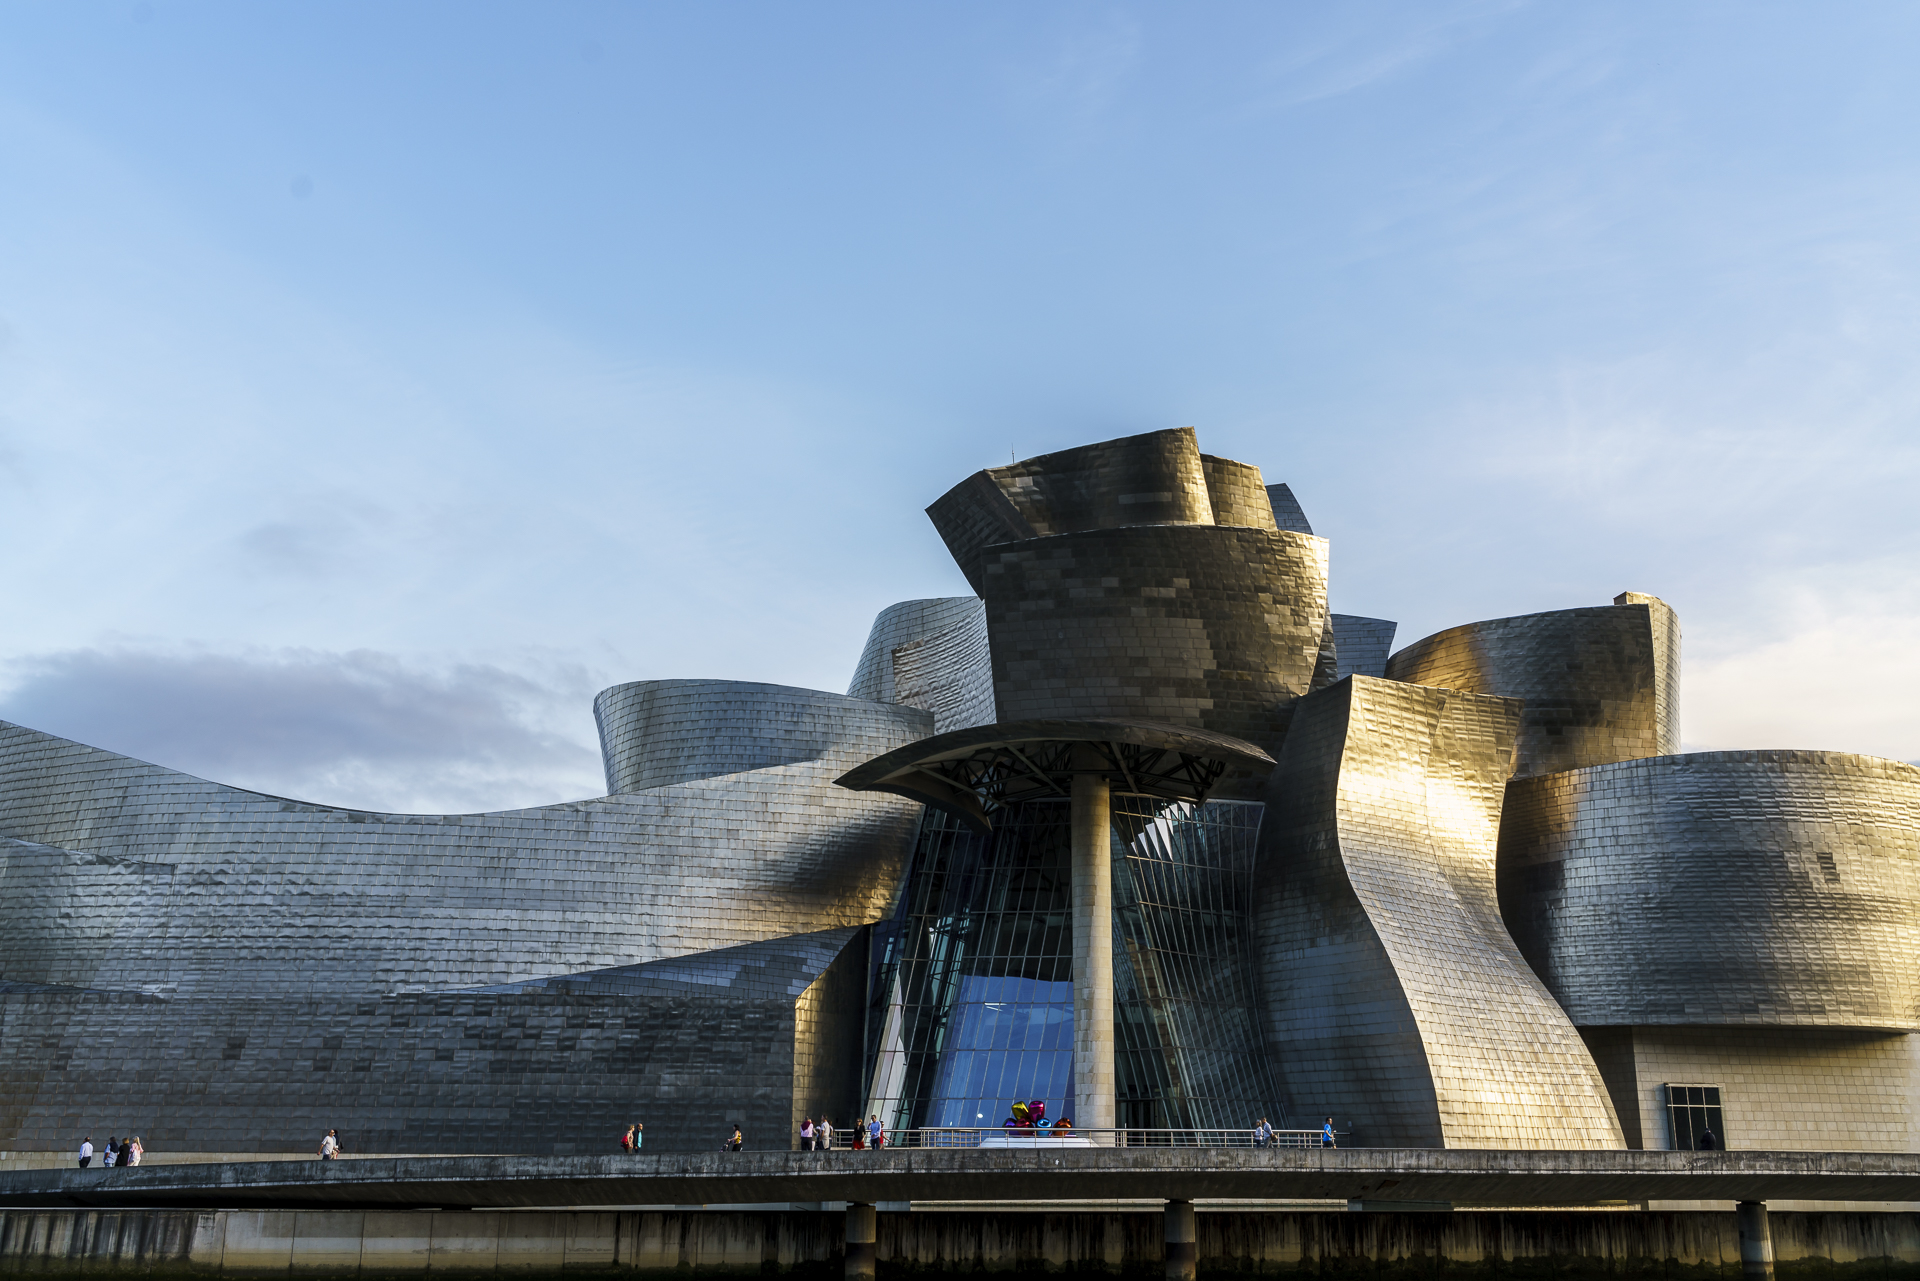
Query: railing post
{"points": [[1183, 1242], [1756, 1242], [862, 1237]]}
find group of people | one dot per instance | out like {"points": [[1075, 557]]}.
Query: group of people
{"points": [[631, 1140], [116, 1152], [330, 1146], [1263, 1134], [860, 1137]]}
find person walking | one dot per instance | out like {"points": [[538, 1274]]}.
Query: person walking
{"points": [[330, 1146], [1326, 1135], [876, 1137], [806, 1135], [111, 1156], [626, 1140], [86, 1152], [639, 1136], [135, 1150], [1263, 1134], [734, 1144], [823, 1134]]}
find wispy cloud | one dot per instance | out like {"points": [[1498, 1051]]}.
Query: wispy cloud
{"points": [[1079, 77], [364, 730]]}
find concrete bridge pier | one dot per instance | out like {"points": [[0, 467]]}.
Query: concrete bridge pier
{"points": [[1183, 1242], [1756, 1242], [862, 1238]]}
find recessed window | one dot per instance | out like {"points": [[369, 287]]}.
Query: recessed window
{"points": [[1695, 1122]]}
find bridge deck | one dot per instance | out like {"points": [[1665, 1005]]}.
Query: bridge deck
{"points": [[1374, 1174]]}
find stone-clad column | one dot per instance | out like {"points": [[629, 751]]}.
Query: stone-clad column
{"points": [[862, 1233], [1182, 1242], [1756, 1242], [1094, 1081]]}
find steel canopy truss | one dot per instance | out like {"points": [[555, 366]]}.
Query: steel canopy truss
{"points": [[972, 773]]}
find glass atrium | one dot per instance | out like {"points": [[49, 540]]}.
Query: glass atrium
{"points": [[972, 992]]}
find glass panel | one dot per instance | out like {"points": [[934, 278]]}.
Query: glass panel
{"points": [[1189, 1049], [971, 1002], [1693, 1114]]}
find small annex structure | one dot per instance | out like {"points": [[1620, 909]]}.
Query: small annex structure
{"points": [[1140, 830]]}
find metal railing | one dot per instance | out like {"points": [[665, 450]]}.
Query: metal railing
{"points": [[1056, 1137]]}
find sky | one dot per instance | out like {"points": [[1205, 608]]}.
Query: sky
{"points": [[380, 381]]}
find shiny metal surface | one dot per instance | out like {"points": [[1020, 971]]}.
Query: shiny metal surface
{"points": [[1751, 888], [930, 654], [1217, 627], [1394, 995], [221, 970], [1601, 684]]}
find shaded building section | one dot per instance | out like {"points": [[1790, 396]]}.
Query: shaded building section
{"points": [[1394, 995], [1216, 627], [1671, 902], [1286, 510], [1600, 684], [1362, 644]]}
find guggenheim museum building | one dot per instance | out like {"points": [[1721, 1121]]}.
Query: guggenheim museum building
{"points": [[1138, 828]]}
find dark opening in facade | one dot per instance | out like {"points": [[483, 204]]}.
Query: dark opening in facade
{"points": [[1695, 1121]]}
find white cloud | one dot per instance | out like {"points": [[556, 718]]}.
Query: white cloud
{"points": [[363, 730]]}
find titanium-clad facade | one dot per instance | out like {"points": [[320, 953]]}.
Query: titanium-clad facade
{"points": [[1748, 919], [1600, 684], [1393, 993], [1460, 895], [1754, 888], [930, 654], [224, 971]]}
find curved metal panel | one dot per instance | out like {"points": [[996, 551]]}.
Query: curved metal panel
{"points": [[1761, 888], [930, 654], [1286, 510], [1213, 626], [1601, 684], [658, 733], [1237, 493], [1153, 479], [223, 970], [1395, 996], [1362, 644]]}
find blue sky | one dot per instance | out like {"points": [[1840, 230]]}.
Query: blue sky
{"points": [[379, 381]]}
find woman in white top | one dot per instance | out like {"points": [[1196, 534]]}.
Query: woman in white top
{"points": [[134, 1150]]}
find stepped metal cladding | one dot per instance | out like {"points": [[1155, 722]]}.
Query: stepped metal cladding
{"points": [[1141, 830]]}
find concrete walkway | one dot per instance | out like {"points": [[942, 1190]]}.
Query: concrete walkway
{"points": [[1361, 1174]]}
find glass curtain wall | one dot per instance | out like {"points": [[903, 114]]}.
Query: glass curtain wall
{"points": [[971, 999], [1185, 1004]]}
